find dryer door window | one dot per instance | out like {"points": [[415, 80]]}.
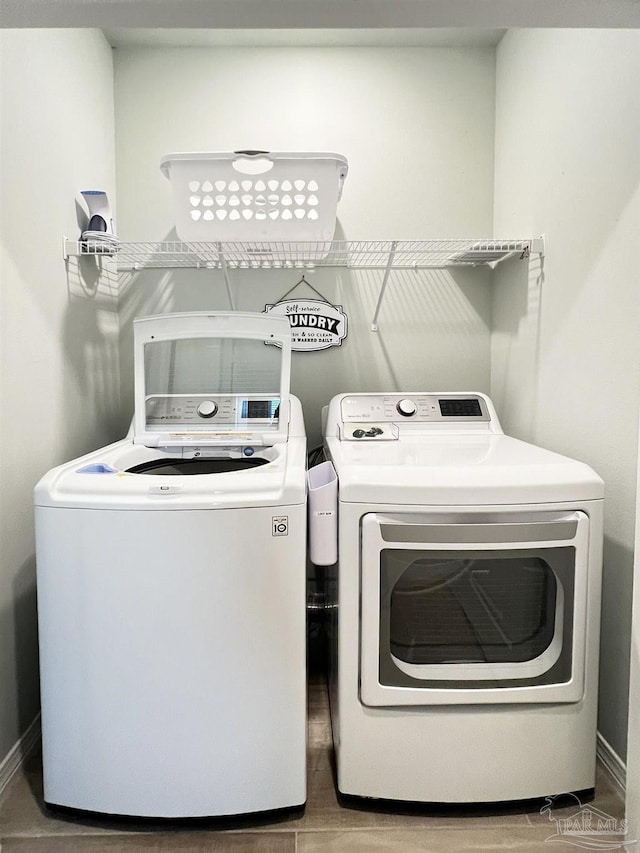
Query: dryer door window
{"points": [[476, 616]]}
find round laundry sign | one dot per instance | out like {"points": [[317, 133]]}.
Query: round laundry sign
{"points": [[315, 325]]}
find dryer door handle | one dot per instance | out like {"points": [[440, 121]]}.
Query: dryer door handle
{"points": [[534, 531]]}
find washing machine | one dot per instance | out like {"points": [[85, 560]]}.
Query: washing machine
{"points": [[171, 585], [464, 604]]}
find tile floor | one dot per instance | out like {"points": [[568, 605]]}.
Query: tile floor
{"points": [[326, 826]]}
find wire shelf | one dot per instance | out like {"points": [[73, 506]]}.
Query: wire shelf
{"points": [[363, 254]]}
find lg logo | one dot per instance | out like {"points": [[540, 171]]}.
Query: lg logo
{"points": [[280, 525]]}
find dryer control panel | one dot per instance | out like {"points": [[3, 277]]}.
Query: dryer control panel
{"points": [[423, 408], [388, 417]]}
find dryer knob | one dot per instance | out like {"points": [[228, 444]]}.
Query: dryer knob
{"points": [[407, 408], [207, 409]]}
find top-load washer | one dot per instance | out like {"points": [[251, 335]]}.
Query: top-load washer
{"points": [[465, 602], [171, 585]]}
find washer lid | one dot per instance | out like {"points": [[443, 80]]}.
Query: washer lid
{"points": [[211, 378]]}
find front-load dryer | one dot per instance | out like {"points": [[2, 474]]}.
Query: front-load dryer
{"points": [[465, 604], [171, 585]]}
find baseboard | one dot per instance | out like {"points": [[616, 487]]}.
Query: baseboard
{"points": [[613, 765], [18, 754]]}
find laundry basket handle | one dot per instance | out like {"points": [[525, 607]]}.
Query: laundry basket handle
{"points": [[252, 162]]}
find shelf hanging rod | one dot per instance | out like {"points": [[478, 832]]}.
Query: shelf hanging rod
{"points": [[227, 281], [385, 281]]}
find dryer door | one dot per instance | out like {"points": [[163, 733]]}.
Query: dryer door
{"points": [[473, 609]]}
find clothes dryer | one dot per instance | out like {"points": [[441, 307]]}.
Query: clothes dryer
{"points": [[465, 604], [171, 585]]}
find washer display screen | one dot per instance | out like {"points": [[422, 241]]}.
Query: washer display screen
{"points": [[259, 409]]}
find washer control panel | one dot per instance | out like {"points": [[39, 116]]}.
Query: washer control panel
{"points": [[376, 410], [193, 410]]}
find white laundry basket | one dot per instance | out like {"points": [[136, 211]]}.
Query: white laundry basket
{"points": [[322, 485], [246, 196]]}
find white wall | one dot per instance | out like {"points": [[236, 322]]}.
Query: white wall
{"points": [[59, 386], [566, 352], [416, 125]]}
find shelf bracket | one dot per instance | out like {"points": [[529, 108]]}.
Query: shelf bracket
{"points": [[537, 245], [227, 280], [385, 281]]}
